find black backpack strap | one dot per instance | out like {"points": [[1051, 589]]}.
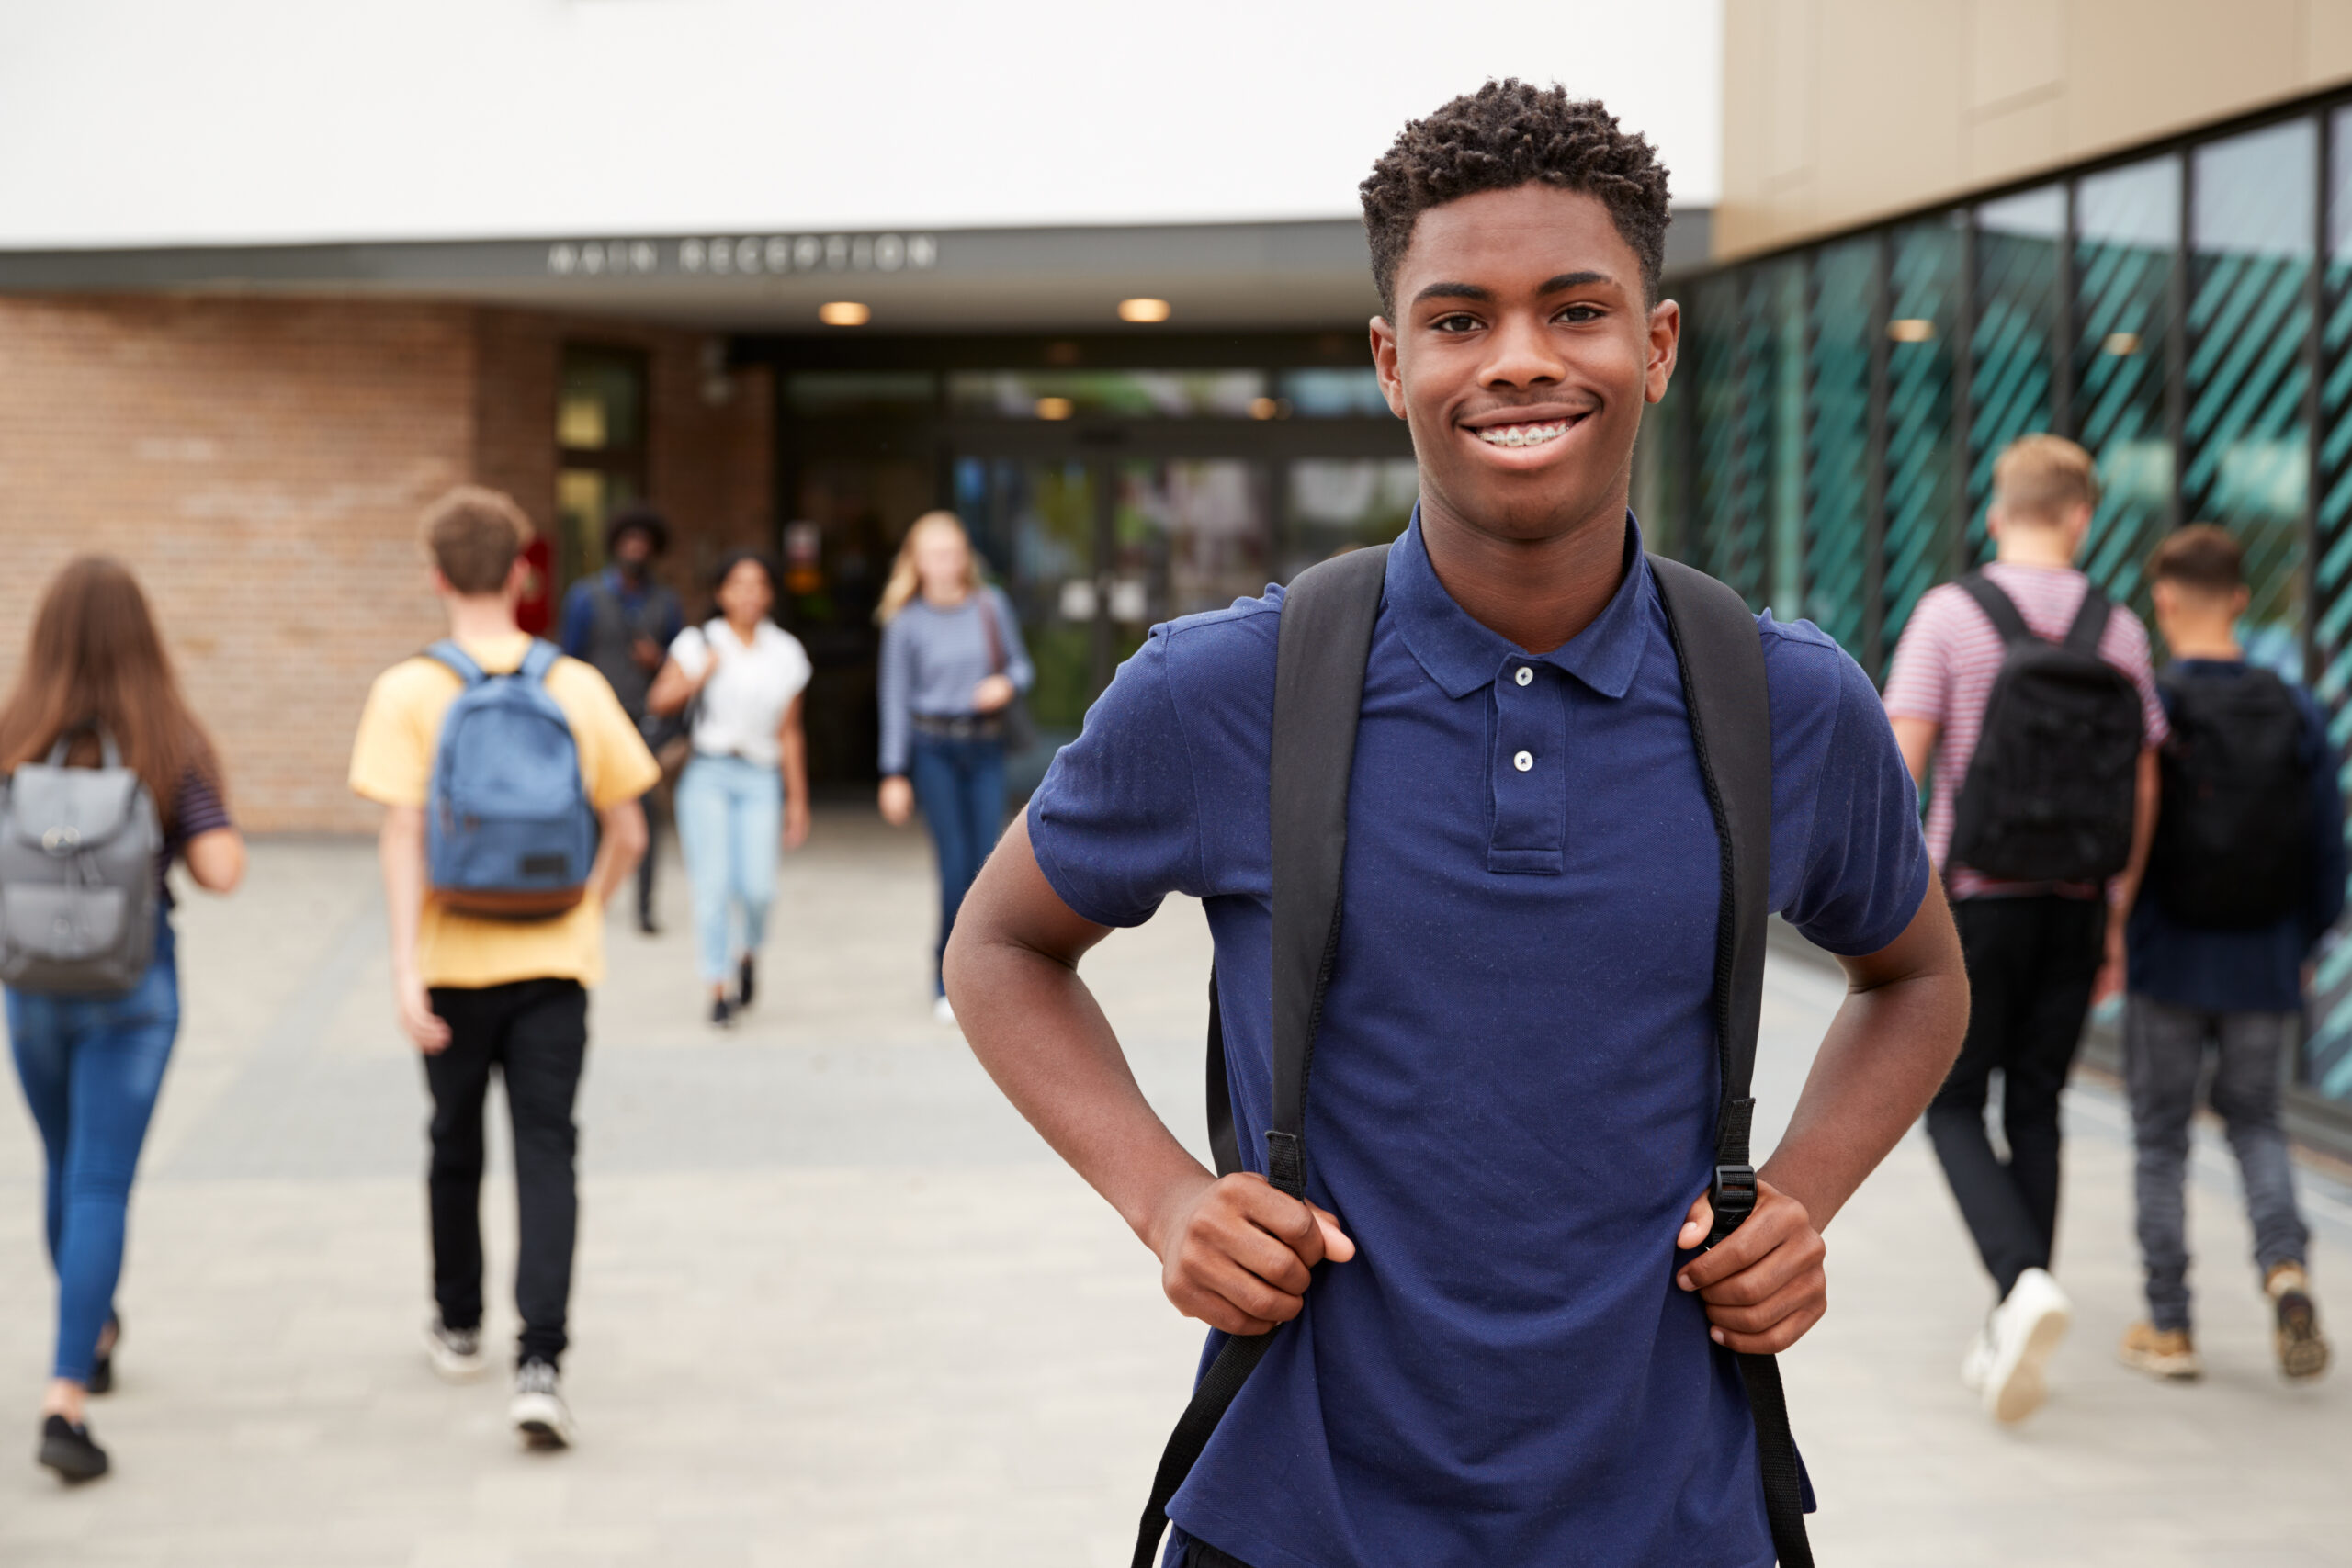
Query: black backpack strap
{"points": [[1326, 638], [2090, 622], [1721, 660], [1998, 608], [1225, 1144]]}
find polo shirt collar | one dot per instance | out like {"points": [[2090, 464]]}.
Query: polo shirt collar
{"points": [[1461, 656]]}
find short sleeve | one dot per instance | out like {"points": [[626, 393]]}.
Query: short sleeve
{"points": [[197, 808], [391, 757], [691, 650], [614, 760], [1115, 825], [793, 665], [1862, 869], [1920, 684]]}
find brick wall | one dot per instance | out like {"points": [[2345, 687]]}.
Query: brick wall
{"points": [[260, 465]]}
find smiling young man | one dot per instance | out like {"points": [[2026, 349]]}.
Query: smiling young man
{"points": [[1504, 1351]]}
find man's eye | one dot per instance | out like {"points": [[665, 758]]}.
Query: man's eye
{"points": [[1578, 314], [1456, 324]]}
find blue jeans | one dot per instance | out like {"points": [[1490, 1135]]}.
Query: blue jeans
{"points": [[960, 786], [731, 825], [91, 1067], [2163, 1056]]}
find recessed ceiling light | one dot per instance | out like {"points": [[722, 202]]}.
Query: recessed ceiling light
{"points": [[1144, 310], [1268, 408], [844, 313], [1055, 408], [2122, 345], [1911, 328]]}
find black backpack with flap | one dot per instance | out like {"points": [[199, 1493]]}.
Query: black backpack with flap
{"points": [[2233, 839], [2049, 792], [1322, 650]]}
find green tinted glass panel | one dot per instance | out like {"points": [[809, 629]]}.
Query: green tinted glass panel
{"points": [[1922, 288], [1838, 438], [1062, 394], [2127, 247]]}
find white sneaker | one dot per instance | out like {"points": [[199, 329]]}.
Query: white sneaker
{"points": [[2023, 1331], [455, 1353], [1977, 1365], [942, 1012], [537, 1409]]}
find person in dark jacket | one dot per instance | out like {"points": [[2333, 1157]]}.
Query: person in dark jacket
{"points": [[2217, 963], [621, 622]]}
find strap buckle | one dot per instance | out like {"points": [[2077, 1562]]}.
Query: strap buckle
{"points": [[1732, 1196]]}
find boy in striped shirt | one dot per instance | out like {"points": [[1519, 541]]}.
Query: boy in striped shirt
{"points": [[2037, 951]]}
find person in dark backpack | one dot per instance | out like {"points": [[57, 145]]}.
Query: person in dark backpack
{"points": [[2247, 873], [475, 991], [1487, 1333], [97, 685], [621, 623], [2033, 698]]}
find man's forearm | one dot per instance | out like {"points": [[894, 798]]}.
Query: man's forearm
{"points": [[1886, 1055], [2147, 793], [618, 848], [399, 851], [1042, 1036]]}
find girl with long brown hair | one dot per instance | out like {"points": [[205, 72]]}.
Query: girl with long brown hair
{"points": [[91, 1063]]}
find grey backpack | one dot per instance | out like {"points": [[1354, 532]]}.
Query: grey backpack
{"points": [[77, 874]]}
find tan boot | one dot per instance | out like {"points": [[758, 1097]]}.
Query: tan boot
{"points": [[2302, 1349], [2161, 1352]]}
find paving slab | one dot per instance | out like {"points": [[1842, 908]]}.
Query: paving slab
{"points": [[836, 1304]]}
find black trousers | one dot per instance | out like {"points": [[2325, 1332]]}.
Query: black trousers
{"points": [[2031, 963], [652, 802], [536, 1033]]}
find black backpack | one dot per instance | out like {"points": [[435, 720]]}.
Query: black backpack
{"points": [[2049, 792], [2232, 848], [1320, 651]]}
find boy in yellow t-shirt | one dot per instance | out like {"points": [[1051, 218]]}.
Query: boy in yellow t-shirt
{"points": [[476, 993]]}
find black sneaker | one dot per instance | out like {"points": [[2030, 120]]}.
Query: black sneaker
{"points": [[646, 924], [66, 1449], [744, 983], [102, 1364], [722, 1013]]}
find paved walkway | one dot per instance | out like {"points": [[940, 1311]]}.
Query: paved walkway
{"points": [[837, 1305]]}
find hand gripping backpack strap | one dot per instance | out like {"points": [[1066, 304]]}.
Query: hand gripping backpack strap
{"points": [[1319, 658], [1721, 660]]}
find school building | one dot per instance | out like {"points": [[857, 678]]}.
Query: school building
{"points": [[1945, 225]]}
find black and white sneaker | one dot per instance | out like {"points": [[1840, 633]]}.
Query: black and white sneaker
{"points": [[744, 985], [455, 1353], [67, 1449], [722, 1013], [537, 1409]]}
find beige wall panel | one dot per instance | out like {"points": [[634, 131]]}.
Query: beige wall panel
{"points": [[2327, 41], [1751, 96], [1888, 117], [2142, 68], [2029, 136], [2015, 50]]}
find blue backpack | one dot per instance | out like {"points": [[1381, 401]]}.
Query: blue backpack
{"points": [[509, 829]]}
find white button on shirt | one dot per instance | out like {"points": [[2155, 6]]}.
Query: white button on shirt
{"points": [[742, 704], [1526, 673], [1525, 761]]}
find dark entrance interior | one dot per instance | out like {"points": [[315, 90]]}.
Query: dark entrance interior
{"points": [[1111, 482]]}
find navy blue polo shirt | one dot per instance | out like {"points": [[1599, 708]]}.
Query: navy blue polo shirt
{"points": [[1515, 1087]]}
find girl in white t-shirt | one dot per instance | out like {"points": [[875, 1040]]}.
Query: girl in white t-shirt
{"points": [[747, 782]]}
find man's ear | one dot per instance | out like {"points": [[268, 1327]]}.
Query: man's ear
{"points": [[518, 577], [2241, 600], [1383, 365], [1666, 345]]}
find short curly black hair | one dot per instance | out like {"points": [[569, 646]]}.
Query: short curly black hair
{"points": [[1505, 135]]}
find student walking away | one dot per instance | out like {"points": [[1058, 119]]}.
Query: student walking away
{"points": [[1479, 819], [510, 777], [953, 668], [2032, 695], [2247, 873], [740, 678], [110, 778], [621, 623]]}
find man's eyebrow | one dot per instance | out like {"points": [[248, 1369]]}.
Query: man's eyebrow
{"points": [[1454, 291], [1574, 280]]}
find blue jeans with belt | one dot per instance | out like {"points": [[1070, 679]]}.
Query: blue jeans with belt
{"points": [[959, 784], [91, 1067], [730, 827]]}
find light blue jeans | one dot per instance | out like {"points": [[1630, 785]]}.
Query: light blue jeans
{"points": [[730, 825], [91, 1067]]}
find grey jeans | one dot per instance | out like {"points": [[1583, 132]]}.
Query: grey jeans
{"points": [[2164, 1057]]}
